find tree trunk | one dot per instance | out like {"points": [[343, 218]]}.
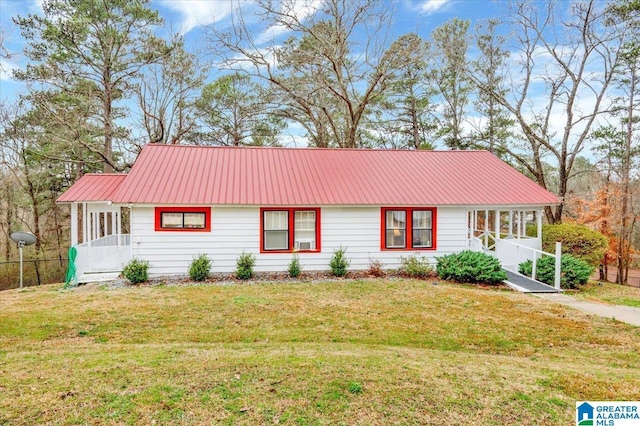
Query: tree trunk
{"points": [[108, 122], [624, 239]]}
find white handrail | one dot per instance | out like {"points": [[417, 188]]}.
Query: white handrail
{"points": [[557, 256]]}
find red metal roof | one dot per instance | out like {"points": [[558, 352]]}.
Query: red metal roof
{"points": [[93, 187], [195, 175]]}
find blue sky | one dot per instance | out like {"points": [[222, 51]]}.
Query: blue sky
{"points": [[190, 16]]}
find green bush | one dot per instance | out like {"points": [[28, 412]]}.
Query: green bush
{"points": [[339, 262], [244, 266], [136, 271], [200, 268], [415, 266], [577, 240], [470, 267], [573, 271], [294, 266]]}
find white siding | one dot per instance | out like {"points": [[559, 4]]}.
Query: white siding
{"points": [[234, 229]]}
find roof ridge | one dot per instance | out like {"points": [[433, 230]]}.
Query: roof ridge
{"points": [[105, 174], [313, 148]]}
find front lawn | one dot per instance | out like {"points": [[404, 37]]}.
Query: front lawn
{"points": [[614, 294], [336, 352]]}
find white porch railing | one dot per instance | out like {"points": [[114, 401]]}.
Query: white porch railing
{"points": [[106, 254], [512, 253]]}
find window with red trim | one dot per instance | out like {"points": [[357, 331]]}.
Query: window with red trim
{"points": [[288, 229], [178, 219], [408, 228]]}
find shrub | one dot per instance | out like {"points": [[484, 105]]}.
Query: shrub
{"points": [[294, 266], [470, 267], [200, 268], [573, 271], [415, 266], [376, 269], [339, 262], [244, 266], [136, 271], [577, 240]]}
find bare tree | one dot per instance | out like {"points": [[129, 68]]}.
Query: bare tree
{"points": [[166, 95], [328, 72], [627, 78], [570, 60]]}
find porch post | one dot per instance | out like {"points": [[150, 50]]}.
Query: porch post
{"points": [[95, 219], [114, 230], [556, 278], [497, 224], [86, 220], [74, 224], [119, 224], [511, 223], [539, 227], [486, 229]]}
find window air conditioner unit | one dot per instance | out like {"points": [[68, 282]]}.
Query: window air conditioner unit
{"points": [[304, 245]]}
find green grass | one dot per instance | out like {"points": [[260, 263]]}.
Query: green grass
{"points": [[346, 352], [614, 294]]}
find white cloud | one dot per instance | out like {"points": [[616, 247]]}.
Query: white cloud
{"points": [[432, 6], [6, 68], [298, 9], [194, 13]]}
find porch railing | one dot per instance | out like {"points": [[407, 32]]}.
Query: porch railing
{"points": [[106, 254], [511, 253]]}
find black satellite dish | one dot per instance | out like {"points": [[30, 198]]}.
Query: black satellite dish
{"points": [[23, 239]]}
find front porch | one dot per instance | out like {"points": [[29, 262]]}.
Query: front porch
{"points": [[512, 236], [100, 237]]}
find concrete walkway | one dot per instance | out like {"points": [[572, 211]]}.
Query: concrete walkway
{"points": [[619, 313]]}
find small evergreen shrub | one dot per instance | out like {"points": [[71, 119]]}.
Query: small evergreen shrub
{"points": [[294, 266], [577, 241], [136, 271], [244, 266], [339, 262], [376, 269], [415, 266], [470, 267], [200, 268], [574, 272]]}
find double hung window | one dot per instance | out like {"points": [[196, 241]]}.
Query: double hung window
{"points": [[290, 229], [408, 228]]}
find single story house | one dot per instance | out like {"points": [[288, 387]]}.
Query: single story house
{"points": [[180, 201]]}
